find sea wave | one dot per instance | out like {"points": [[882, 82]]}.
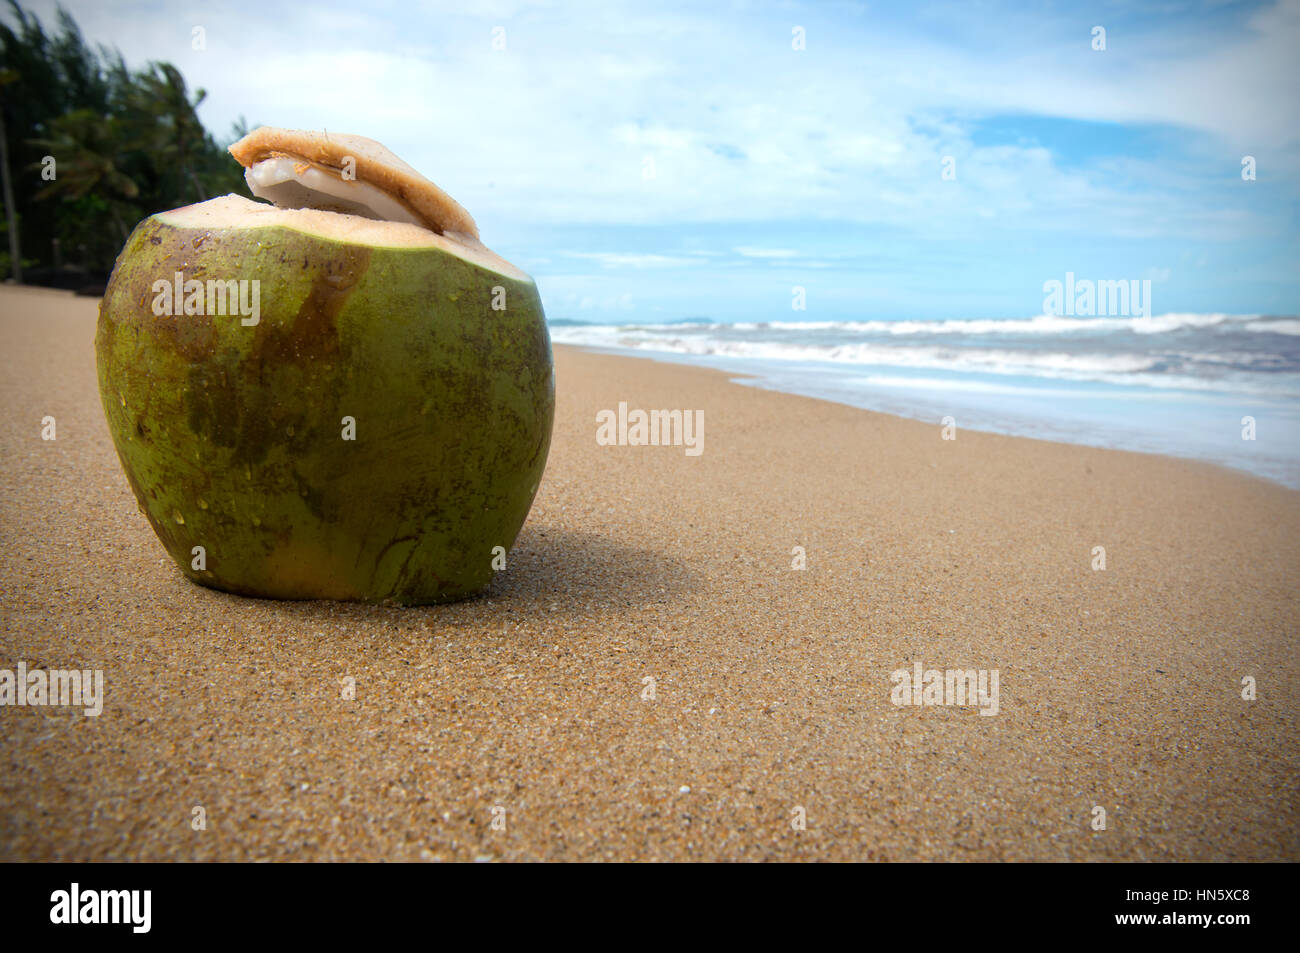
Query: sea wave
{"points": [[1043, 324], [1266, 370], [996, 360], [1288, 326]]}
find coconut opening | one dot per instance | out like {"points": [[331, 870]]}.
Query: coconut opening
{"points": [[294, 183], [236, 211], [380, 200]]}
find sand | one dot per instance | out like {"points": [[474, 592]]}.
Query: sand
{"points": [[1119, 688]]}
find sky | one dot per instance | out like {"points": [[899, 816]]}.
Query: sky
{"points": [[655, 161]]}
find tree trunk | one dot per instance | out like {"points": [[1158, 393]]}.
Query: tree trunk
{"points": [[11, 213]]}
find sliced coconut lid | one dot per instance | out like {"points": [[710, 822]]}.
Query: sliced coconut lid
{"points": [[384, 186]]}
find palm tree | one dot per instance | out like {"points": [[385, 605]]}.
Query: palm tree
{"points": [[166, 123], [11, 210], [86, 147], [128, 142]]}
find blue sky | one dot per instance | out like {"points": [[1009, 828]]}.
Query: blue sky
{"points": [[657, 161]]}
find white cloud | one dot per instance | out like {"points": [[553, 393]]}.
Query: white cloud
{"points": [[632, 259], [751, 252], [559, 125]]}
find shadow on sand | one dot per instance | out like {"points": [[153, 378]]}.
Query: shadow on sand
{"points": [[556, 566], [548, 570]]}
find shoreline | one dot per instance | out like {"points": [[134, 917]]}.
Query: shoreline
{"points": [[682, 654], [757, 380]]}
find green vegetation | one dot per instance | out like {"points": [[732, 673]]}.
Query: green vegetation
{"points": [[124, 145]]}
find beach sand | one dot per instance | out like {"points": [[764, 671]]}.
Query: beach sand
{"points": [[1118, 689]]}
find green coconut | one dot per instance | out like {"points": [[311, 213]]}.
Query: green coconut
{"points": [[327, 403]]}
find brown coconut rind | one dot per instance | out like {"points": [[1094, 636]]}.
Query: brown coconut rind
{"points": [[374, 164]]}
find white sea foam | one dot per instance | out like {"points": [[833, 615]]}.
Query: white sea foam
{"points": [[1287, 326], [1043, 324], [996, 360], [948, 385]]}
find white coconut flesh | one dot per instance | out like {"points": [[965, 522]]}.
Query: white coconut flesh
{"points": [[293, 183], [236, 212]]}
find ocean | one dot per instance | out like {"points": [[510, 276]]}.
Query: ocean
{"points": [[1217, 387]]}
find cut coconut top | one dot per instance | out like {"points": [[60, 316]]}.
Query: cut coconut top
{"points": [[235, 211], [345, 173]]}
